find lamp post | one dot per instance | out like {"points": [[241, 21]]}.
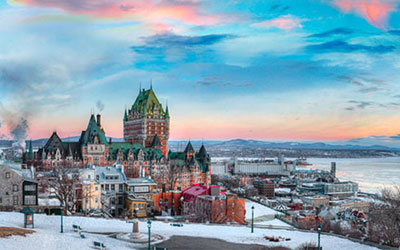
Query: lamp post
{"points": [[252, 219], [62, 221], [319, 229], [149, 227]]}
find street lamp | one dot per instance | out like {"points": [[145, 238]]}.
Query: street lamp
{"points": [[149, 227], [319, 229], [252, 219], [61, 211]]}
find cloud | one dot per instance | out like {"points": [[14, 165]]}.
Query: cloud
{"points": [[222, 82], [333, 32], [160, 52], [342, 46], [151, 11], [173, 40], [394, 32], [361, 104], [370, 89], [280, 8], [374, 11], [286, 22]]}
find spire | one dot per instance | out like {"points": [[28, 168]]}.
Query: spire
{"points": [[151, 84], [125, 116], [140, 87], [166, 110]]}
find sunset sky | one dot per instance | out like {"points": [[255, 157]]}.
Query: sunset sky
{"points": [[294, 70]]}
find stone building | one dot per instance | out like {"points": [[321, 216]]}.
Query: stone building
{"points": [[18, 188]]}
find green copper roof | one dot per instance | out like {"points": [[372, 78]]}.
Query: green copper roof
{"points": [[147, 104], [30, 152], [166, 112], [91, 132], [189, 148], [156, 142]]}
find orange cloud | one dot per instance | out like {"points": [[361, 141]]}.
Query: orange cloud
{"points": [[286, 22], [374, 11], [188, 11]]}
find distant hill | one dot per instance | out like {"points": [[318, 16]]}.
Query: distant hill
{"points": [[254, 144], [234, 144]]}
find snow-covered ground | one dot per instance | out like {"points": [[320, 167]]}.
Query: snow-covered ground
{"points": [[259, 211], [48, 236], [274, 222]]}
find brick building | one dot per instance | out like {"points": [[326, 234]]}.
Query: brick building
{"points": [[147, 120], [202, 204]]}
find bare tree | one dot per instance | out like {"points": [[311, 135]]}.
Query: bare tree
{"points": [[173, 174], [63, 184], [384, 217]]}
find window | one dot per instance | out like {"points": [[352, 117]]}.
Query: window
{"points": [[15, 200], [112, 187], [96, 188], [8, 175], [97, 200], [1, 200], [30, 199], [30, 187], [107, 187], [121, 200], [121, 188], [102, 186], [97, 177], [88, 176], [15, 187]]}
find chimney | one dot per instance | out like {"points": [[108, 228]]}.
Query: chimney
{"points": [[110, 141], [99, 121]]}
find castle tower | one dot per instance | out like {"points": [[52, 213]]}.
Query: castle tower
{"points": [[147, 119]]}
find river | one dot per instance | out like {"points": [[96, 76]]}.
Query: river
{"points": [[372, 174]]}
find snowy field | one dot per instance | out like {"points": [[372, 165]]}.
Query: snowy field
{"points": [[48, 236], [259, 211]]}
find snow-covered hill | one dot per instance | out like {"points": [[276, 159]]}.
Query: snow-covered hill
{"points": [[48, 236]]}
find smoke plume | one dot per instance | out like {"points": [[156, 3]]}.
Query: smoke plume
{"points": [[19, 134], [100, 105]]}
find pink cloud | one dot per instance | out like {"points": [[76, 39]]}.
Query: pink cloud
{"points": [[286, 22], [154, 11], [374, 11]]}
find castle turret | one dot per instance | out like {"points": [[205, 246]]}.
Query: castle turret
{"points": [[189, 151]]}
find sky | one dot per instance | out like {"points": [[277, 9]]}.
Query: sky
{"points": [[316, 70]]}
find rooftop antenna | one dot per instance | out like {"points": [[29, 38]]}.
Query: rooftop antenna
{"points": [[140, 86]]}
